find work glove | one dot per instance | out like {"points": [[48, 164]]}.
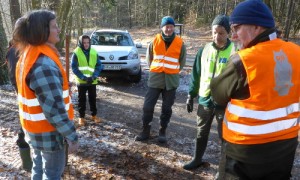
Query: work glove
{"points": [[84, 78], [21, 140], [89, 80], [72, 146], [189, 104]]}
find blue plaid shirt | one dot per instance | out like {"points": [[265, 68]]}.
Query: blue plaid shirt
{"points": [[46, 80]]}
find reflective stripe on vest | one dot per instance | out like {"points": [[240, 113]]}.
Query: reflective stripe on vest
{"points": [[209, 57], [31, 114], [86, 68], [166, 61], [272, 111]]}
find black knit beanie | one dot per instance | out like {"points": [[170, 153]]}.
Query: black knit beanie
{"points": [[222, 20], [254, 12]]}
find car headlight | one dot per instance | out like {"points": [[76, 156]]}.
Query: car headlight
{"points": [[133, 55]]}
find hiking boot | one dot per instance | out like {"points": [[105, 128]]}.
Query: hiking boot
{"points": [[145, 134], [81, 122], [96, 119], [162, 135]]}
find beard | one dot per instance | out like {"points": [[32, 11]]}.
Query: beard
{"points": [[238, 45]]}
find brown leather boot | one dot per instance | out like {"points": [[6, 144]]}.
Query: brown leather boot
{"points": [[96, 119], [81, 122]]}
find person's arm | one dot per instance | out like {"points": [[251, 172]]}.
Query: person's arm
{"points": [[98, 68], [45, 79], [75, 67], [231, 83], [149, 54], [195, 75], [182, 57], [12, 59]]}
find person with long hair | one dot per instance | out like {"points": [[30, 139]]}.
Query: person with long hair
{"points": [[45, 107]]}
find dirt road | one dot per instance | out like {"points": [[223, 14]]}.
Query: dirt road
{"points": [[108, 150]]}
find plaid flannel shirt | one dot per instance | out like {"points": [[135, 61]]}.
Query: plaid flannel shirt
{"points": [[45, 79]]}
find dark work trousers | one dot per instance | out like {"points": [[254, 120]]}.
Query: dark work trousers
{"points": [[205, 116], [277, 170], [91, 90], [152, 95]]}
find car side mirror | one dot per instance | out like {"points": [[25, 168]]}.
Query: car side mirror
{"points": [[138, 45]]}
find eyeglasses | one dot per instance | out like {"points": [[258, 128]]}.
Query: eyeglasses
{"points": [[235, 27]]}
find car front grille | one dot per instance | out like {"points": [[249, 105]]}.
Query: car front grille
{"points": [[101, 58], [114, 63], [123, 58]]}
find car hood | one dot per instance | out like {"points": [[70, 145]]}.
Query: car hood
{"points": [[112, 49]]}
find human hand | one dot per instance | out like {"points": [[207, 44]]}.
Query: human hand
{"points": [[72, 146], [84, 78], [189, 104], [70, 84], [89, 80]]}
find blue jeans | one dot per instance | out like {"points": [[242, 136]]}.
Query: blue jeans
{"points": [[48, 165]]}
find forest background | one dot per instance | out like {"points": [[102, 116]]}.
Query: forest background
{"points": [[76, 15]]}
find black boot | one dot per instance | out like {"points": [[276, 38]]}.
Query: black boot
{"points": [[26, 158], [200, 146], [24, 150], [162, 135], [145, 134], [222, 163]]}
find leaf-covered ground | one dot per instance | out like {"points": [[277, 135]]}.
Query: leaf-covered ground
{"points": [[108, 150]]}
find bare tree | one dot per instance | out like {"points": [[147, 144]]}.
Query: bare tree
{"points": [[63, 14], [36, 4], [289, 18], [15, 12], [3, 45]]}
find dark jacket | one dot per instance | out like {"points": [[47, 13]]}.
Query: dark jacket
{"points": [[75, 65], [196, 75], [162, 80], [232, 84], [12, 57]]}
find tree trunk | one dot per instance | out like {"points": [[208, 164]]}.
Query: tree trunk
{"points": [[3, 45], [54, 5], [80, 23], [129, 13], [156, 12], [5, 23], [63, 20], [15, 12], [36, 4], [288, 21]]}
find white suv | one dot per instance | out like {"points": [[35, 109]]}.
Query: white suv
{"points": [[118, 54]]}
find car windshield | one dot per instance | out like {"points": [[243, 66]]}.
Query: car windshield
{"points": [[111, 39]]}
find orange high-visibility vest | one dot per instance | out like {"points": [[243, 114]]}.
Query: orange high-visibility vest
{"points": [[271, 113], [166, 61], [31, 114]]}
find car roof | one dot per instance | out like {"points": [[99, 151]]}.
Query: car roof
{"points": [[111, 30]]}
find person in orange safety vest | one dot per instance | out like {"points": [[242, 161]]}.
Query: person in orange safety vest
{"points": [[166, 56], [45, 106], [261, 88]]}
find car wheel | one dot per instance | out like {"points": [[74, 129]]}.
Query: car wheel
{"points": [[136, 78]]}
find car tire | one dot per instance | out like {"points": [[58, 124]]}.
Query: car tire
{"points": [[136, 78]]}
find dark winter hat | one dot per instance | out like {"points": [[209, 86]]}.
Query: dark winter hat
{"points": [[253, 12], [167, 20], [222, 20]]}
